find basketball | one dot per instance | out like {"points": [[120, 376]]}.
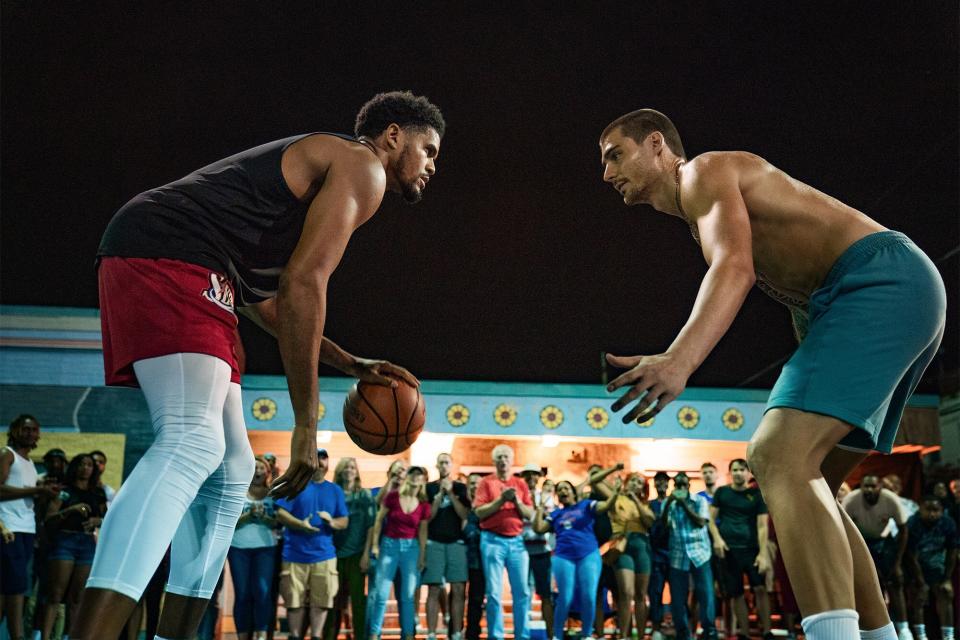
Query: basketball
{"points": [[383, 420]]}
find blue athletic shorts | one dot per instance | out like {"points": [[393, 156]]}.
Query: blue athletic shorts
{"points": [[875, 325]]}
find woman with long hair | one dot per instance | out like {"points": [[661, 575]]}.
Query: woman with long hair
{"points": [[403, 549], [576, 559], [350, 544], [252, 557], [631, 518], [71, 519]]}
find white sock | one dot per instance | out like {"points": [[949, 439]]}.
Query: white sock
{"points": [[920, 632], [947, 633], [839, 624], [886, 632]]}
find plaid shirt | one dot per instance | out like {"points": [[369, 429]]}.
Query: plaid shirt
{"points": [[689, 544]]}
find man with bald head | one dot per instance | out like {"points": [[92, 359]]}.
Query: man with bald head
{"points": [[871, 508]]}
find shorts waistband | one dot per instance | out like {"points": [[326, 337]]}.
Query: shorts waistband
{"points": [[860, 249]]}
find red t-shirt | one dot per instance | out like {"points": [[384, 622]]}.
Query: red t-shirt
{"points": [[507, 520], [400, 524]]}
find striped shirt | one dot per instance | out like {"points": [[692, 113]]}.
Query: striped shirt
{"points": [[689, 544]]}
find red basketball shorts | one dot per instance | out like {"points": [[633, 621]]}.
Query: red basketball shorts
{"points": [[154, 307]]}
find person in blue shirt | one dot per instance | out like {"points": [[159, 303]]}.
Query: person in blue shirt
{"points": [[309, 556], [931, 558], [576, 559]]}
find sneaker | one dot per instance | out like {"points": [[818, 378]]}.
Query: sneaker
{"points": [[456, 635], [656, 635], [904, 634], [431, 636]]}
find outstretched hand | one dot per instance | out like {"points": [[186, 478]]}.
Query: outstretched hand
{"points": [[655, 381], [303, 464], [382, 372]]}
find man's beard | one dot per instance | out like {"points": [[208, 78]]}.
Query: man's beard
{"points": [[411, 194]]}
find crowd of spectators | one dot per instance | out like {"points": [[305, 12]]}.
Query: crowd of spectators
{"points": [[592, 553]]}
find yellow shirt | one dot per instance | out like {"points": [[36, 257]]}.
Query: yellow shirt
{"points": [[625, 516]]}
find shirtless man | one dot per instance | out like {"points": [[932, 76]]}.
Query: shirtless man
{"points": [[261, 231], [868, 306]]}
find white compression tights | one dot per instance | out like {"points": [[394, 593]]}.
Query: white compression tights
{"points": [[189, 487]]}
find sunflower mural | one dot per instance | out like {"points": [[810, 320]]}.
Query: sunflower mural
{"points": [[646, 424], [597, 418], [321, 411], [688, 417], [551, 417], [505, 415], [733, 419], [458, 415], [264, 409]]}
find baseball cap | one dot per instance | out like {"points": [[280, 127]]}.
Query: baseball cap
{"points": [[55, 453], [531, 468], [322, 453], [269, 456]]}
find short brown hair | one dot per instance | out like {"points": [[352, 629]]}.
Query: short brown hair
{"points": [[641, 123]]}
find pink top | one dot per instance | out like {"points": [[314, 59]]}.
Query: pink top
{"points": [[400, 524]]}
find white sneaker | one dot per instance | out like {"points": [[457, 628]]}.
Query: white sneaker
{"points": [[905, 634], [456, 635], [431, 636], [656, 635]]}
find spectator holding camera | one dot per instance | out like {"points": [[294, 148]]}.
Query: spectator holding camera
{"points": [[686, 517], [251, 557]]}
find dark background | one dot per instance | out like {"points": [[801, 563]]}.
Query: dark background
{"points": [[520, 263]]}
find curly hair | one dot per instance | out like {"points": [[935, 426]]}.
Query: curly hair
{"points": [[401, 108]]}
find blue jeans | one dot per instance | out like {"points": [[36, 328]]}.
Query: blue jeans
{"points": [[581, 576], [658, 577], [703, 591], [396, 554], [497, 552], [252, 571]]}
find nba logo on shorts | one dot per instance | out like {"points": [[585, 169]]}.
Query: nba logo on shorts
{"points": [[220, 292]]}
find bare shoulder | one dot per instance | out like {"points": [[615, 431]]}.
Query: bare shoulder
{"points": [[309, 161], [713, 165]]}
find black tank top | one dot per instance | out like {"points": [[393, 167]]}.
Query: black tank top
{"points": [[236, 216]]}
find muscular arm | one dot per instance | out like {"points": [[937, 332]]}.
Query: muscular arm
{"points": [[350, 195], [716, 205]]}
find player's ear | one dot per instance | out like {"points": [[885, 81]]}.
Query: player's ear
{"points": [[655, 140], [393, 135]]}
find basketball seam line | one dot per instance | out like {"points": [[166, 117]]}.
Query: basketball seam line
{"points": [[386, 429]]}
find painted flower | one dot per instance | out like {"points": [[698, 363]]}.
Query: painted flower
{"points": [[551, 417], [458, 415], [321, 411], [688, 417], [733, 419], [505, 415], [264, 409], [597, 418], [647, 423]]}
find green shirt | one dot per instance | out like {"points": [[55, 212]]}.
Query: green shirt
{"points": [[737, 519], [362, 507]]}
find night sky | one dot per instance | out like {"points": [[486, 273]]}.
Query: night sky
{"points": [[520, 264]]}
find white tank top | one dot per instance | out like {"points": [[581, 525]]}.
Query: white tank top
{"points": [[17, 514]]}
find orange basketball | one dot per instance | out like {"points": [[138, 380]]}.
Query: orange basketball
{"points": [[383, 420]]}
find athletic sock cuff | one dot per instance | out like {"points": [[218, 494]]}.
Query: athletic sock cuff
{"points": [[839, 624]]}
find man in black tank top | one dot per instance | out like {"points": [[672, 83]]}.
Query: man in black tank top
{"points": [[260, 232]]}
